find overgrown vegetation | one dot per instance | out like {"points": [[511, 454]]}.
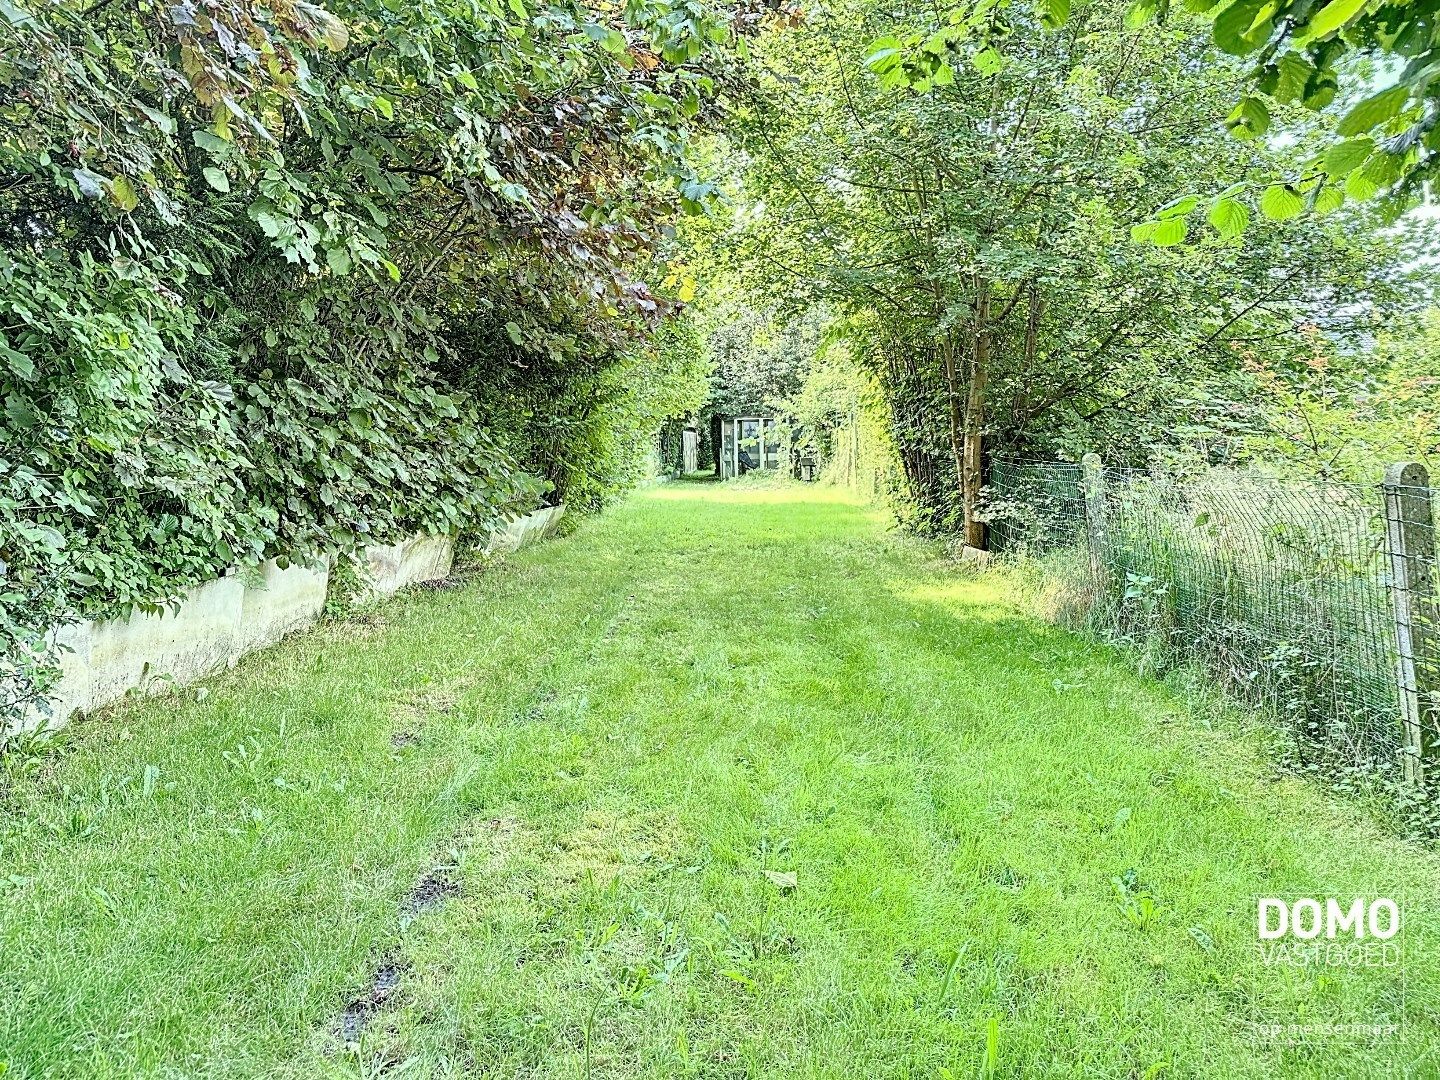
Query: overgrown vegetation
{"points": [[1004, 234], [974, 243], [278, 280], [741, 783]]}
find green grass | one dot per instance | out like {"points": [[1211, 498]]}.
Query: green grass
{"points": [[620, 743]]}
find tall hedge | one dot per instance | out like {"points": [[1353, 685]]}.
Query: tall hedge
{"points": [[282, 280]]}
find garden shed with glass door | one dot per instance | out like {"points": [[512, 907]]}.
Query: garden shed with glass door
{"points": [[745, 443]]}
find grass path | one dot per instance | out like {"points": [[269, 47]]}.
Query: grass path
{"points": [[612, 752]]}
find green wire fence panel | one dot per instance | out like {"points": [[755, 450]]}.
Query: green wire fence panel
{"points": [[1281, 587], [1035, 505]]}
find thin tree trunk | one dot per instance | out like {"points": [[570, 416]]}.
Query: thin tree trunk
{"points": [[972, 473], [1032, 326], [957, 412]]}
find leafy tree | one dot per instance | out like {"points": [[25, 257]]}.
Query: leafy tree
{"points": [[760, 354], [1312, 53], [1307, 55], [975, 239]]}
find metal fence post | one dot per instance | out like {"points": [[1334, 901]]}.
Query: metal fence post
{"points": [[1092, 483], [1410, 530]]}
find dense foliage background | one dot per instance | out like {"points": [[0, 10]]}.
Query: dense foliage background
{"points": [[278, 280], [984, 232]]}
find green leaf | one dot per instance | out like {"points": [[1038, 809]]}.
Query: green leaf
{"points": [[609, 39], [338, 259], [1179, 208], [1249, 120], [1345, 157], [988, 61], [270, 224], [159, 119], [207, 140], [1281, 202], [122, 194], [1286, 79], [1379, 172], [332, 31], [45, 535], [18, 362], [1320, 89], [1243, 26], [1229, 217], [1328, 199], [1169, 232], [90, 184], [1374, 110], [216, 178], [1330, 18], [14, 15], [513, 331], [1053, 13], [883, 54], [1141, 12]]}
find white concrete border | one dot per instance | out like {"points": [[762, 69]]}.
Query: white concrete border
{"points": [[214, 624]]}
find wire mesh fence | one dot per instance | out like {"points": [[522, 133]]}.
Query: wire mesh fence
{"points": [[1284, 589]]}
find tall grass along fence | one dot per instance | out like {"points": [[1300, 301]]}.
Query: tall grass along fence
{"points": [[1315, 599]]}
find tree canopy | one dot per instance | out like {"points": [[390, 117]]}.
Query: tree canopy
{"points": [[977, 241], [1370, 73]]}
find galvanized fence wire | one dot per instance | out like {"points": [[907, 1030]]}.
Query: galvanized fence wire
{"points": [[1280, 587], [1034, 505]]}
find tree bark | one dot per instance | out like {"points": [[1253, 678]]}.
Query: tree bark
{"points": [[972, 472], [957, 412]]}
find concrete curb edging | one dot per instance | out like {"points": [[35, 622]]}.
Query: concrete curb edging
{"points": [[214, 624]]}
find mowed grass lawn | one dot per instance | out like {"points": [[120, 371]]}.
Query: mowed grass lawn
{"points": [[606, 759]]}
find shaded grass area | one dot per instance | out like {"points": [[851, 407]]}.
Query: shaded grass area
{"points": [[614, 751]]}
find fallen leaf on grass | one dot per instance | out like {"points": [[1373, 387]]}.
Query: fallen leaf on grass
{"points": [[784, 880]]}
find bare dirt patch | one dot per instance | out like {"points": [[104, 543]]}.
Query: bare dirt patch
{"points": [[384, 983], [430, 892]]}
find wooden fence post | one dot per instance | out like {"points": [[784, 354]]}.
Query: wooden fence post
{"points": [[1410, 530], [1092, 483]]}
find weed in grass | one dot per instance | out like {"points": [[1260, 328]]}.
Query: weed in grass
{"points": [[1135, 900], [990, 1063], [26, 755]]}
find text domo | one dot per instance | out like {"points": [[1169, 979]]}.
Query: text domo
{"points": [[1309, 918]]}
